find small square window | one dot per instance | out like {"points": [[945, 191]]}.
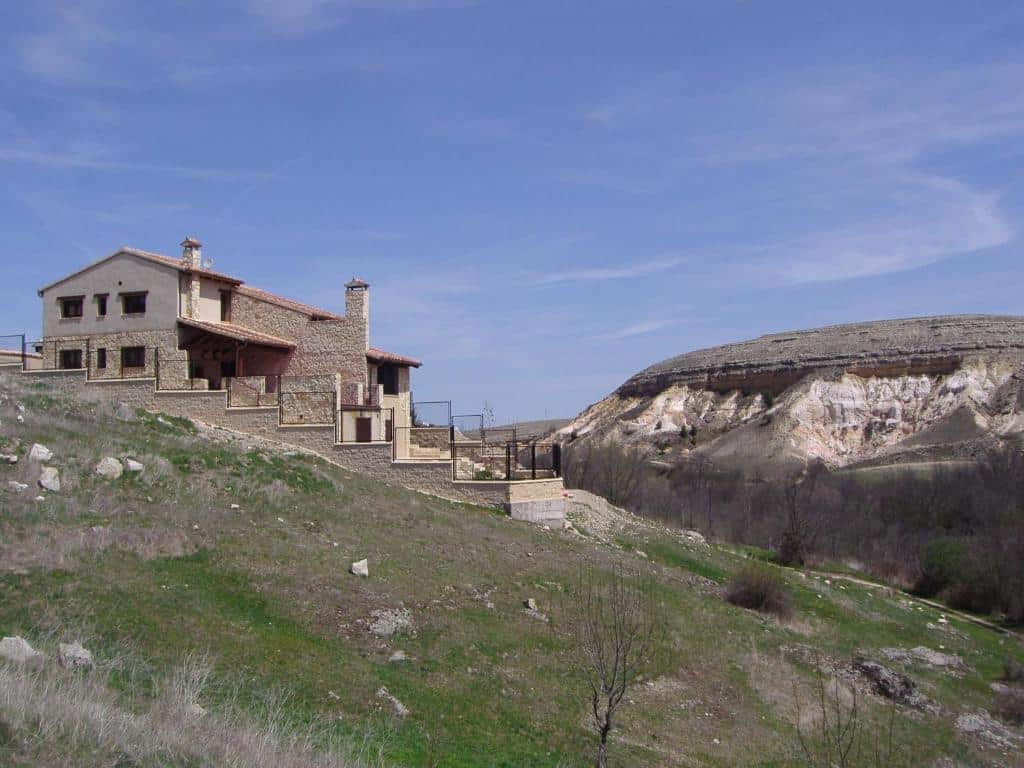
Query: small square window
{"points": [[71, 307], [71, 358], [101, 358], [133, 357], [101, 305], [133, 303]]}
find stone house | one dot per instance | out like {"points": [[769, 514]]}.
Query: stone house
{"points": [[137, 314]]}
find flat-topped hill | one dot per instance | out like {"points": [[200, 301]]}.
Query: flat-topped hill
{"points": [[885, 347]]}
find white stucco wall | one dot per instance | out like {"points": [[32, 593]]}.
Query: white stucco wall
{"points": [[121, 274]]}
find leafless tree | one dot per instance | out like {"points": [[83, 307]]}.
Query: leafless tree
{"points": [[614, 625], [843, 737]]}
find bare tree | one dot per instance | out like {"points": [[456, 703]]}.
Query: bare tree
{"points": [[614, 625], [843, 737]]}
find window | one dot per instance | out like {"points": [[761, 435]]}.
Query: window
{"points": [[101, 358], [225, 306], [71, 358], [101, 305], [71, 306], [133, 303], [387, 377], [133, 357]]}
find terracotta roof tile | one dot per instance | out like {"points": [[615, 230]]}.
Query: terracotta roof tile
{"points": [[297, 306], [380, 356], [237, 332]]}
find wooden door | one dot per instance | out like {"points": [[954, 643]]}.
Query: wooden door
{"points": [[389, 431], [364, 429]]}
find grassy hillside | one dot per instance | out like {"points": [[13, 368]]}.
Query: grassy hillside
{"points": [[219, 577]]}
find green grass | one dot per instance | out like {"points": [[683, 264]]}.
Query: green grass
{"points": [[264, 590]]}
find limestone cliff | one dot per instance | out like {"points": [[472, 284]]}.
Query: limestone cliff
{"points": [[902, 390]]}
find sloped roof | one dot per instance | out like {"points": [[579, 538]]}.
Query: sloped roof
{"points": [[155, 258], [272, 298], [380, 356], [237, 332]]}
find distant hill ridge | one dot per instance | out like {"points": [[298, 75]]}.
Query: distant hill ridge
{"points": [[883, 347], [907, 390]]}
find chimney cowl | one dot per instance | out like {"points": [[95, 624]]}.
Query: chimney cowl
{"points": [[356, 283], [192, 253]]}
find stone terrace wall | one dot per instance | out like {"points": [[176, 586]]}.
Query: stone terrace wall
{"points": [[889, 348], [211, 407]]}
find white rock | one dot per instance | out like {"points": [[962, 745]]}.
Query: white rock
{"points": [[49, 479], [110, 468], [17, 650], [8, 458], [40, 498], [360, 568], [236, 506], [397, 657], [530, 604], [21, 419], [396, 706], [15, 486], [73, 655], [39, 453], [131, 465]]}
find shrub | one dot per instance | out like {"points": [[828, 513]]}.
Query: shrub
{"points": [[943, 564], [1009, 705], [759, 589]]}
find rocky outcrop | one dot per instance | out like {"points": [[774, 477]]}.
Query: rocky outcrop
{"points": [[901, 390]]}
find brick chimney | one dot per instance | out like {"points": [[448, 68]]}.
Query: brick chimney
{"points": [[357, 305], [192, 253]]}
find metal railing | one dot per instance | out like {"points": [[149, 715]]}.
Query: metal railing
{"points": [[432, 413], [509, 461]]}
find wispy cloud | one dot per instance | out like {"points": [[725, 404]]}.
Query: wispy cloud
{"points": [[941, 218], [623, 272], [636, 329]]}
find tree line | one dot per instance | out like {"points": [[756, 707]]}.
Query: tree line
{"points": [[953, 531]]}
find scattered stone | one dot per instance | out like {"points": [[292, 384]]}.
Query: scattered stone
{"points": [[110, 468], [982, 725], [397, 707], [8, 458], [39, 453], [397, 657], [133, 466], [73, 656], [360, 568], [236, 506], [893, 685], [17, 650], [695, 537], [925, 656], [15, 486], [49, 479], [390, 621], [40, 498], [21, 419], [641, 553], [530, 607]]}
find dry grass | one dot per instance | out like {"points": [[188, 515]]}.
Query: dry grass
{"points": [[47, 708]]}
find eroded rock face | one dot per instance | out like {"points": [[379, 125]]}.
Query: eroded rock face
{"points": [[841, 395]]}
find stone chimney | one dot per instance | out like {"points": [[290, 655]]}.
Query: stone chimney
{"points": [[192, 253], [357, 305]]}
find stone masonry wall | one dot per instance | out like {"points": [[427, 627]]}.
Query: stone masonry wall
{"points": [[211, 407], [163, 343], [322, 346]]}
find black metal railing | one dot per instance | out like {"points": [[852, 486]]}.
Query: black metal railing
{"points": [[432, 413], [509, 461]]}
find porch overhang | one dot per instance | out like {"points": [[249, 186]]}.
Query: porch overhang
{"points": [[237, 333]]}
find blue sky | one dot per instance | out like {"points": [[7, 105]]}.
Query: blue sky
{"points": [[545, 196]]}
